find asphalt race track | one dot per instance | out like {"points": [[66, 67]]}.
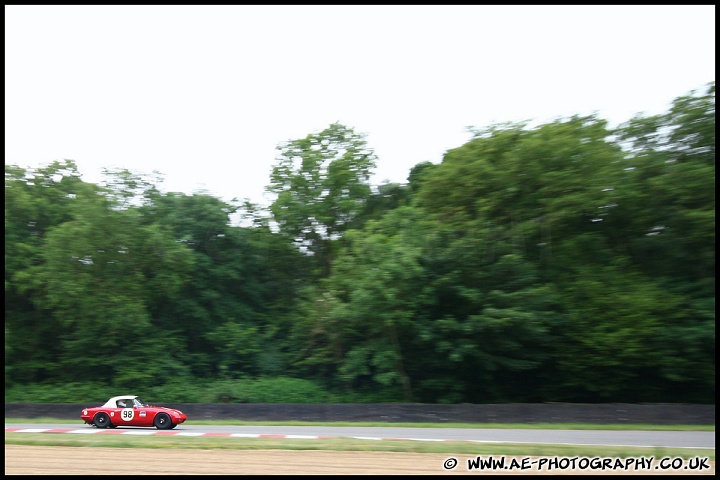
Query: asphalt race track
{"points": [[62, 460], [635, 438]]}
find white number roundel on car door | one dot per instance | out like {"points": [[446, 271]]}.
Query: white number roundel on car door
{"points": [[127, 414]]}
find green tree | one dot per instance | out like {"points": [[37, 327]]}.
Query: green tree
{"points": [[616, 344], [229, 311], [669, 210], [372, 295], [668, 229], [101, 272], [321, 183], [36, 201]]}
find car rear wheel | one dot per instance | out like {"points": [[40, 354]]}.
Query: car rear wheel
{"points": [[163, 422], [102, 420]]}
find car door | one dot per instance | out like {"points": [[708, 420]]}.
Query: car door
{"points": [[130, 415], [143, 416], [126, 416]]}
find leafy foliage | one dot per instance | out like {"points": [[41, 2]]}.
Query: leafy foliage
{"points": [[566, 262], [321, 183]]}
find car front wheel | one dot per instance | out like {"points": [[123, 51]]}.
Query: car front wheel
{"points": [[102, 420], [163, 422]]}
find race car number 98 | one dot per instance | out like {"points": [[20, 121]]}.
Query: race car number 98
{"points": [[127, 414]]}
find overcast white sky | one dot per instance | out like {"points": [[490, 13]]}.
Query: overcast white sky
{"points": [[205, 94]]}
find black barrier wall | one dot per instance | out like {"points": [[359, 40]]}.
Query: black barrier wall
{"points": [[662, 414]]}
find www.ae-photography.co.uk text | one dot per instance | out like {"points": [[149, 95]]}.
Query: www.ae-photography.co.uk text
{"points": [[550, 464]]}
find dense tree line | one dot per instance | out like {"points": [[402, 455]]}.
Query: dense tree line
{"points": [[564, 262]]}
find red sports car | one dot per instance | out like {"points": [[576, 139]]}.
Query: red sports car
{"points": [[130, 410]]}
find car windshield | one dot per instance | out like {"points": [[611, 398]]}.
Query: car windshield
{"points": [[139, 402]]}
